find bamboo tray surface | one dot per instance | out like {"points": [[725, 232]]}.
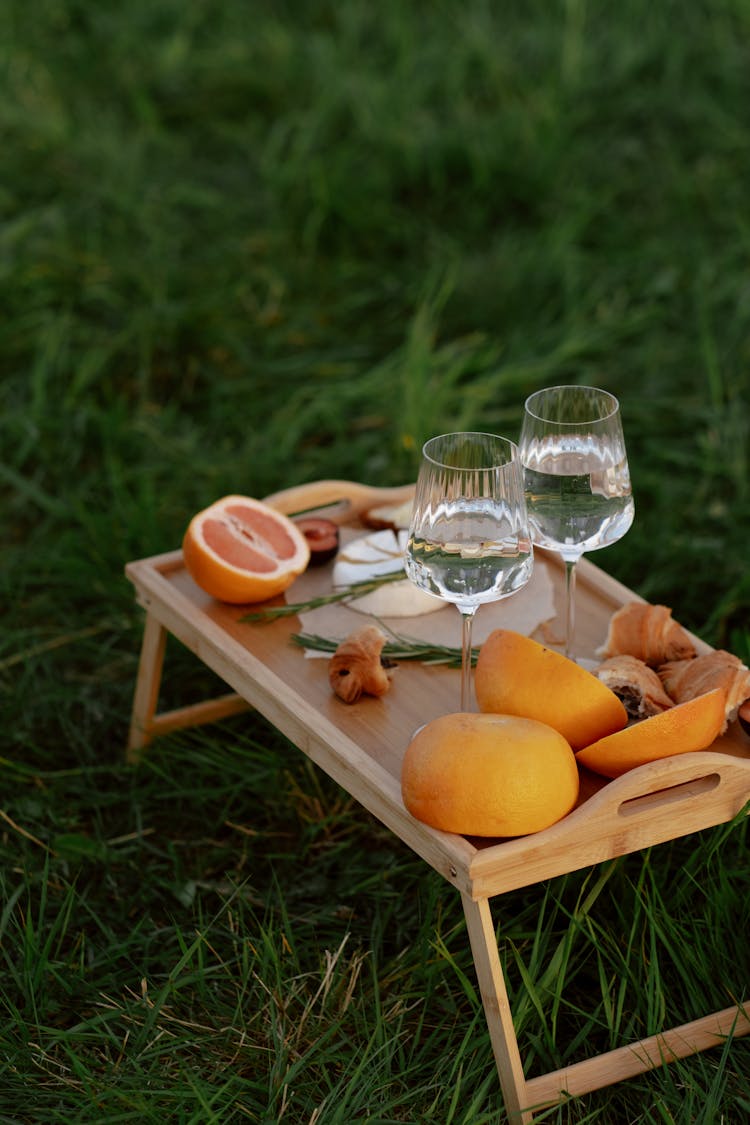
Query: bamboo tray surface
{"points": [[361, 746]]}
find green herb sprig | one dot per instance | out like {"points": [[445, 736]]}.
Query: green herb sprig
{"points": [[348, 594], [398, 648]]}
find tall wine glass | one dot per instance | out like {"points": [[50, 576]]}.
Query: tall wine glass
{"points": [[577, 478], [469, 539]]}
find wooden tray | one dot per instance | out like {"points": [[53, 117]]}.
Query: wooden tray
{"points": [[362, 746]]}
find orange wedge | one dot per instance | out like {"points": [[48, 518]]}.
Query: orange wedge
{"points": [[681, 729], [241, 550], [518, 676]]}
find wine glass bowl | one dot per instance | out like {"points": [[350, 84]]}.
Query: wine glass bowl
{"points": [[576, 477], [469, 540]]}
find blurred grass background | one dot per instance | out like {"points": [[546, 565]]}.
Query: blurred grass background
{"points": [[245, 245]]}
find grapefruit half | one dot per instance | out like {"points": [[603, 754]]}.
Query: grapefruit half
{"points": [[240, 550]]}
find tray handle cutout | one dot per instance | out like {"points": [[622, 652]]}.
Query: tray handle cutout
{"points": [[694, 790], [672, 794]]}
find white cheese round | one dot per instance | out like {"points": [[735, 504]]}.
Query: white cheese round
{"points": [[382, 552]]}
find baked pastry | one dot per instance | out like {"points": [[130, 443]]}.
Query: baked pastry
{"points": [[685, 679], [356, 666], [648, 632], [637, 686]]}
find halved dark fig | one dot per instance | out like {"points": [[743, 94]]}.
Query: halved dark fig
{"points": [[322, 536], [744, 716]]}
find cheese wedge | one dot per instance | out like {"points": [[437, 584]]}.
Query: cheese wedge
{"points": [[382, 552]]}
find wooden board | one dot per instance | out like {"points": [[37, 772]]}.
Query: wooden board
{"points": [[361, 746]]}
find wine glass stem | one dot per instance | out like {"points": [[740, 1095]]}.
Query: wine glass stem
{"points": [[467, 620], [570, 605]]}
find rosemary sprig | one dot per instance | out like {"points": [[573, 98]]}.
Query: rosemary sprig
{"points": [[348, 594], [399, 648]]}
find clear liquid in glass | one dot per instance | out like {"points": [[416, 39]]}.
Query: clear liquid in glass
{"points": [[467, 553], [578, 493]]}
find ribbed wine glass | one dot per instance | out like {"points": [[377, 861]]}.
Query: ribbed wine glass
{"points": [[576, 477], [469, 539]]}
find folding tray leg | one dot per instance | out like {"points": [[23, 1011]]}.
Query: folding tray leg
{"points": [[497, 1009], [145, 723], [146, 686], [519, 1093]]}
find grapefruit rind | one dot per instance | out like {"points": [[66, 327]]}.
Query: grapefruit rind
{"points": [[516, 675], [215, 543], [683, 729]]}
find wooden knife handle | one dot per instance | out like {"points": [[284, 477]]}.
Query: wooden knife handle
{"points": [[347, 498]]}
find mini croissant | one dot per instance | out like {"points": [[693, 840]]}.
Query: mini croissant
{"points": [[648, 632], [356, 666], [685, 679], [635, 684]]}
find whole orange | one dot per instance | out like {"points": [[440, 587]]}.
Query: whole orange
{"points": [[488, 775]]}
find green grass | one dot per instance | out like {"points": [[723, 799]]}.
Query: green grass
{"points": [[247, 245]]}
